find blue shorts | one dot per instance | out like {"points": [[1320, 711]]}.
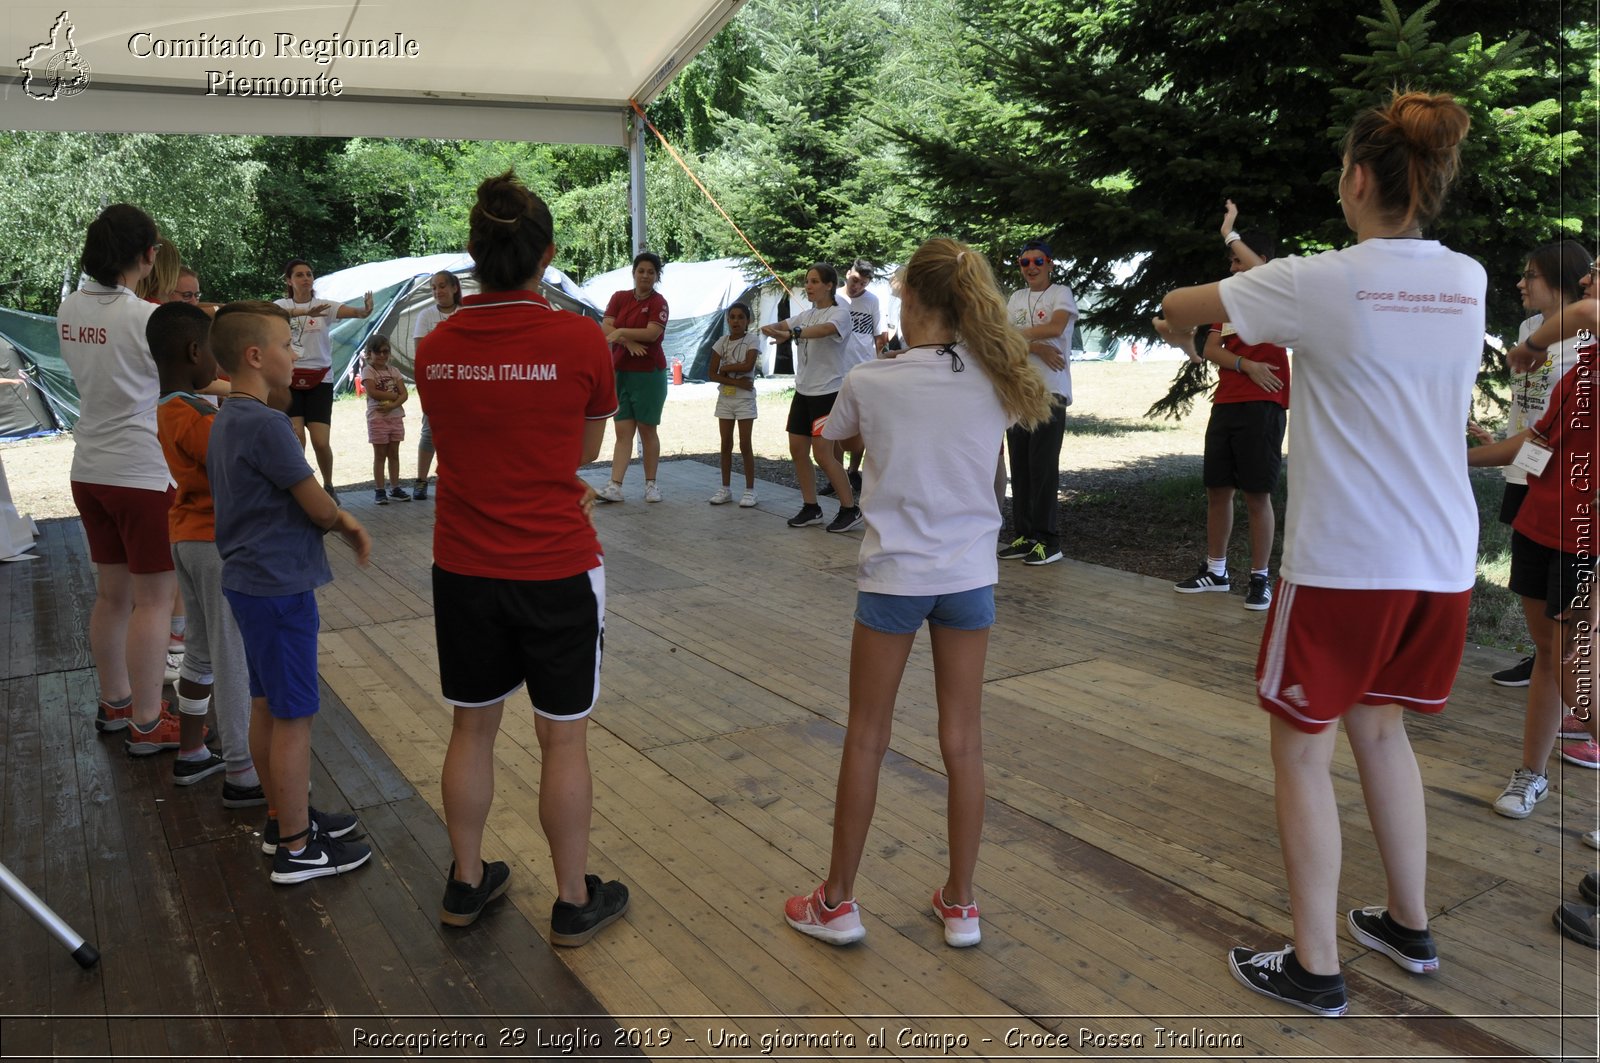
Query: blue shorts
{"points": [[280, 649], [902, 614]]}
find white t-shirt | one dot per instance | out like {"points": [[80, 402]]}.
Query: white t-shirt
{"points": [[428, 319], [104, 346], [931, 437], [1029, 308], [1388, 338], [866, 321], [309, 335], [729, 350], [819, 364], [1530, 391]]}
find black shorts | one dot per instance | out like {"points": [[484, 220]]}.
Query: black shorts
{"points": [[496, 634], [1511, 501], [1562, 581], [314, 405], [808, 413], [1244, 446]]}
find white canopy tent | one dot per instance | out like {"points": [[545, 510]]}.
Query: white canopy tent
{"points": [[470, 70]]}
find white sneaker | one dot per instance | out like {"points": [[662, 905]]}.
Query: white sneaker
{"points": [[611, 492], [652, 493], [1592, 839], [1526, 789], [747, 499], [721, 498], [174, 662]]}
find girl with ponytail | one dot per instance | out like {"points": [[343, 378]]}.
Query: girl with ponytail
{"points": [[1381, 535], [931, 420]]}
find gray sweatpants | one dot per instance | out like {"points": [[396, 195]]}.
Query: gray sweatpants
{"points": [[213, 650]]}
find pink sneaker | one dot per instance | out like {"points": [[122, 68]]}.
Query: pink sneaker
{"points": [[810, 914], [960, 921], [1583, 754], [1572, 727]]}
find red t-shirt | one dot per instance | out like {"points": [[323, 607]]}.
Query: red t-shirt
{"points": [[1559, 509], [627, 312], [508, 385], [1234, 386]]}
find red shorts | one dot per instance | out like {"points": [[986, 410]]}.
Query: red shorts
{"points": [[1325, 650], [126, 526]]}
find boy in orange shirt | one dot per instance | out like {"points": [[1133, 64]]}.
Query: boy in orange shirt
{"points": [[180, 343]]}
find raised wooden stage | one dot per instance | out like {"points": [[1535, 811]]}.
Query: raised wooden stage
{"points": [[1130, 836]]}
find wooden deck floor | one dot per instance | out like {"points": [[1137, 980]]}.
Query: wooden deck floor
{"points": [[1130, 837]]}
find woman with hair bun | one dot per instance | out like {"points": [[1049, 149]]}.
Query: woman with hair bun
{"points": [[930, 420], [518, 394], [1380, 539]]}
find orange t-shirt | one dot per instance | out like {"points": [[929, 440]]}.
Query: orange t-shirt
{"points": [[183, 423]]}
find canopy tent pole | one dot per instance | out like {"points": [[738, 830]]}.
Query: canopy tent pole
{"points": [[636, 182]]}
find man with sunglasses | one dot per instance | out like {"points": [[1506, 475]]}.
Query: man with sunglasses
{"points": [[1044, 312]]}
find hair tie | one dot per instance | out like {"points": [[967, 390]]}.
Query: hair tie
{"points": [[502, 221], [960, 255]]}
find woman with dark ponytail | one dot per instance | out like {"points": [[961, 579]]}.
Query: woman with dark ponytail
{"points": [[1380, 539], [518, 395], [120, 481]]}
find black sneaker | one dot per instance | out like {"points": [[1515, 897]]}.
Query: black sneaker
{"points": [[399, 494], [420, 492], [1263, 972], [809, 514], [462, 903], [380, 498], [826, 490], [571, 925], [1577, 921], [189, 772], [1259, 595], [1204, 580], [1411, 949], [236, 796], [1589, 886], [849, 519], [323, 856], [1042, 554], [1015, 550], [329, 824], [1518, 675]]}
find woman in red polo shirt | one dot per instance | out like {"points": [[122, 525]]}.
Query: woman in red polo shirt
{"points": [[518, 395]]}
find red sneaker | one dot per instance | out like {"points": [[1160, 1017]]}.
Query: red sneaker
{"points": [[960, 921], [111, 718], [1572, 727], [810, 914], [164, 735], [1583, 754]]}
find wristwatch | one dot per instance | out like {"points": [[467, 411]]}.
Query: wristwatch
{"points": [[794, 333]]}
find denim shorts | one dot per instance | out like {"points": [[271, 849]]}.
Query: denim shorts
{"points": [[902, 614]]}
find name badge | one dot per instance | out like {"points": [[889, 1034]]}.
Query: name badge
{"points": [[1532, 458]]}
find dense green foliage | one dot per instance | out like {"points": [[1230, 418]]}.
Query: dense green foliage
{"points": [[836, 128], [1118, 129]]}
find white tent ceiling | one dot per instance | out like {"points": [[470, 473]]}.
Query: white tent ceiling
{"points": [[476, 69]]}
